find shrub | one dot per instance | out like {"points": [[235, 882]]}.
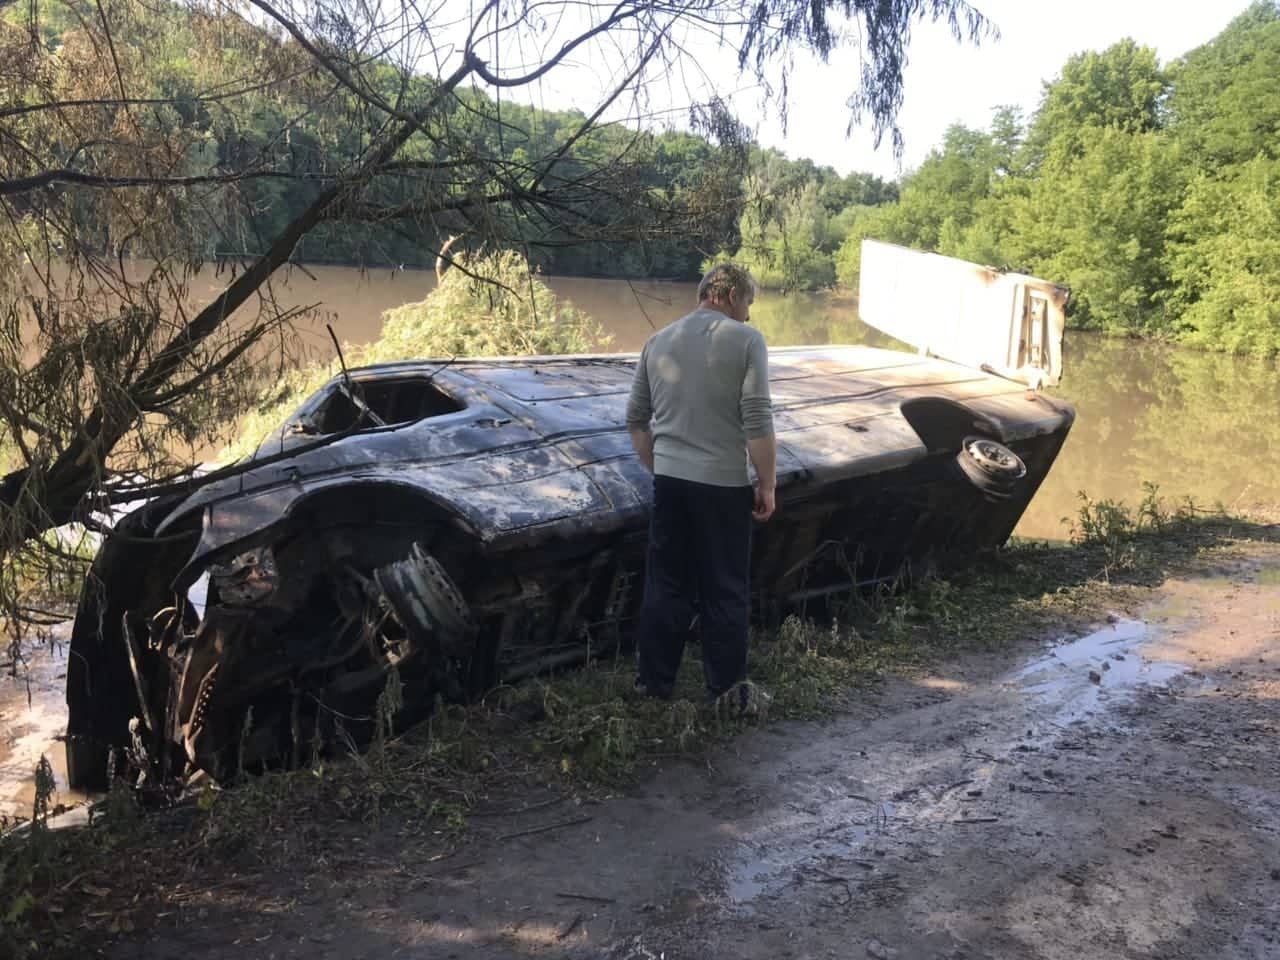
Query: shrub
{"points": [[492, 305]]}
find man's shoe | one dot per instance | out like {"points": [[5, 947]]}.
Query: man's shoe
{"points": [[744, 699], [643, 690]]}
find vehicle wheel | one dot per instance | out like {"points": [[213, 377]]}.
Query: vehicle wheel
{"points": [[992, 468]]}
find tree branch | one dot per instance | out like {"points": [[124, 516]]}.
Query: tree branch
{"points": [[49, 177]]}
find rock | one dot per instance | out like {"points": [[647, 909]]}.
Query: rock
{"points": [[878, 951], [1105, 666], [1275, 874], [1095, 676]]}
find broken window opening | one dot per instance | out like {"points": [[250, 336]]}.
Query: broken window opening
{"points": [[391, 401]]}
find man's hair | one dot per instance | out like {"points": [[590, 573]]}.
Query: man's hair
{"points": [[723, 278]]}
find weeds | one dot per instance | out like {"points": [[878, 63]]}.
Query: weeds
{"points": [[23, 864], [1119, 532]]}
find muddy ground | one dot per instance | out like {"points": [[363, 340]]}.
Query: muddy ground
{"points": [[1114, 796]]}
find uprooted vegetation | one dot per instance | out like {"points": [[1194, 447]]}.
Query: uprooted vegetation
{"points": [[577, 734], [488, 305]]}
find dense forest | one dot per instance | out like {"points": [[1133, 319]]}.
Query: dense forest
{"points": [[1151, 190]]}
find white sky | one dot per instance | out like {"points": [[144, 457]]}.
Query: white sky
{"points": [[946, 82]]}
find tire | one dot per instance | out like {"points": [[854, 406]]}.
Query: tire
{"points": [[993, 469]]}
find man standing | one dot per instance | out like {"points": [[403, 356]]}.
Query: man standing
{"points": [[699, 408]]}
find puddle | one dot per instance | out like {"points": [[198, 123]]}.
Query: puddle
{"points": [[33, 715], [1113, 654], [834, 827], [767, 867]]}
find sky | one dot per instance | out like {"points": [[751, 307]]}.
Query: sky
{"points": [[945, 81]]}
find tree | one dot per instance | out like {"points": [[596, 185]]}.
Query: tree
{"points": [[1121, 88], [936, 204], [1008, 130], [1225, 259], [1096, 222], [785, 225], [142, 139], [1225, 103]]}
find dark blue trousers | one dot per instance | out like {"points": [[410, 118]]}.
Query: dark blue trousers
{"points": [[698, 562]]}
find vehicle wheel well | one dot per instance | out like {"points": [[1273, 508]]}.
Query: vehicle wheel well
{"points": [[369, 503], [371, 525], [943, 424]]}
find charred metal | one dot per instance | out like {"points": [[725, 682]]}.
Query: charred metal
{"points": [[438, 529]]}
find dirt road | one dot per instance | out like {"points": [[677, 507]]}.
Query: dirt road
{"points": [[1117, 796]]}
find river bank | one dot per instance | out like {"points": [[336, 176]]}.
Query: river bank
{"points": [[442, 834]]}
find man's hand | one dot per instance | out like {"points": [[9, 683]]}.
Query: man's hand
{"points": [[764, 503], [642, 441], [764, 457]]}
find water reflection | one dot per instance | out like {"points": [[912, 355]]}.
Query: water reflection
{"points": [[802, 319], [630, 311], [1197, 424]]}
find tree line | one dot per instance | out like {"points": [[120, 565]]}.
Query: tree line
{"points": [[1147, 188], [1152, 190]]}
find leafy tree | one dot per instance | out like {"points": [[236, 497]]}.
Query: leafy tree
{"points": [[1096, 221], [1119, 88], [785, 230], [1225, 103], [936, 204], [1225, 256], [795, 216], [1008, 131]]}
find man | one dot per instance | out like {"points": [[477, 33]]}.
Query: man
{"points": [[699, 408]]}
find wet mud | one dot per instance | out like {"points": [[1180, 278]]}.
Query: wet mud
{"points": [[1112, 795]]}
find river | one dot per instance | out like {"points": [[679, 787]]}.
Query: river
{"points": [[1198, 425]]}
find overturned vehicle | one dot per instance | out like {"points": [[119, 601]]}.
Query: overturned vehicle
{"points": [[451, 526]]}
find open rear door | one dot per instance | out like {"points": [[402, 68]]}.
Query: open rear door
{"points": [[1007, 323]]}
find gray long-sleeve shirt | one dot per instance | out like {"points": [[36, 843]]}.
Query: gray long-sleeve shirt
{"points": [[702, 387]]}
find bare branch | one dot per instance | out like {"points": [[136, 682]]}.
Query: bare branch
{"points": [[49, 177]]}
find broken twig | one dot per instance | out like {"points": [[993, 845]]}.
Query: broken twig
{"points": [[586, 897], [543, 829], [573, 925], [516, 811]]}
